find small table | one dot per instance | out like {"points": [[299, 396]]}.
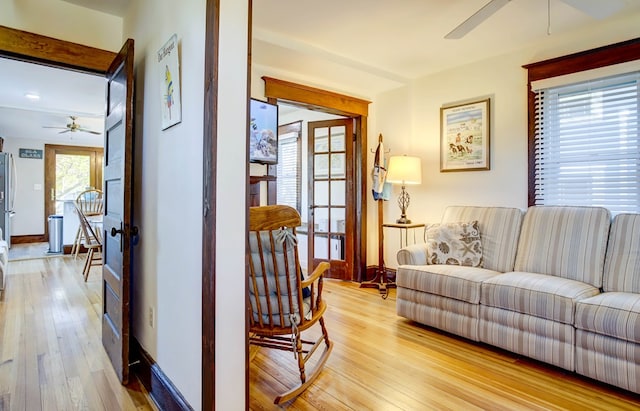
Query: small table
{"points": [[381, 280], [405, 228]]}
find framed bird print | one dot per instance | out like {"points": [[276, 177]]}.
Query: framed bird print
{"points": [[169, 70]]}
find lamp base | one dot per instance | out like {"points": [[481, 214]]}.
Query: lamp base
{"points": [[403, 220]]}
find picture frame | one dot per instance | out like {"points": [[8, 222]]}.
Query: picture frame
{"points": [[465, 136], [168, 67], [263, 132]]}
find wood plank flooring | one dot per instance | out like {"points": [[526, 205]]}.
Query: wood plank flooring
{"points": [[51, 354], [51, 358], [384, 362]]}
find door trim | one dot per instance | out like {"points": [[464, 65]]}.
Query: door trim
{"points": [[34, 48], [329, 102], [209, 175]]}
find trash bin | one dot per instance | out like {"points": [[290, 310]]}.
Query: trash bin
{"points": [[55, 234]]}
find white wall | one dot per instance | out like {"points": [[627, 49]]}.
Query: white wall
{"points": [[231, 207], [29, 202], [168, 192]]}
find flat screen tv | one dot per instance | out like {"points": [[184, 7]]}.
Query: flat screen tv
{"points": [[263, 132]]}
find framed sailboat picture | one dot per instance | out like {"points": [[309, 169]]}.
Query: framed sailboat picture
{"points": [[464, 136]]}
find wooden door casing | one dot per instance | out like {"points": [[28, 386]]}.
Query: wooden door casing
{"points": [[344, 105]]}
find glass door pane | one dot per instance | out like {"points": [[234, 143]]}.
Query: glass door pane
{"points": [[73, 176]]}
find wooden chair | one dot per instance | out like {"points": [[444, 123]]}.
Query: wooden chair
{"points": [[91, 242], [91, 205], [282, 304]]}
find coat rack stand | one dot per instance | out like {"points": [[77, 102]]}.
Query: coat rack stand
{"points": [[381, 279]]}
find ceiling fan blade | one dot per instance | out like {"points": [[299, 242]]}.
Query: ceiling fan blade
{"points": [[65, 131], [477, 18], [88, 131], [54, 127], [597, 9]]}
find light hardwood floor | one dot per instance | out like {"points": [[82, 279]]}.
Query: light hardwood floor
{"points": [[383, 362], [51, 355]]}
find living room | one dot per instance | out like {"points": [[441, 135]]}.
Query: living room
{"points": [[407, 116]]}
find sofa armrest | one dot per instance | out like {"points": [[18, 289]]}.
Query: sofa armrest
{"points": [[415, 254]]}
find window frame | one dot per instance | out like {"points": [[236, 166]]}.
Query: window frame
{"points": [[617, 53], [294, 127]]}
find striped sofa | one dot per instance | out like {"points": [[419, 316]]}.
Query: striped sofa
{"points": [[447, 297], [608, 324], [557, 284]]}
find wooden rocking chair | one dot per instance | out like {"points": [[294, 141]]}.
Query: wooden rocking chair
{"points": [[282, 303]]}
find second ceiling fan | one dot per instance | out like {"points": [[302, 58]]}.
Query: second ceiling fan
{"points": [[598, 9], [73, 127]]}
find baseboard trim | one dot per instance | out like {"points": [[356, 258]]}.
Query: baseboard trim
{"points": [[161, 390], [26, 239]]}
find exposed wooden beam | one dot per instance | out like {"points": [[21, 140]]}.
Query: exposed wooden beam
{"points": [[23, 45], [315, 99]]}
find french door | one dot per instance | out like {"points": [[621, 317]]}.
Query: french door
{"points": [[331, 196]]}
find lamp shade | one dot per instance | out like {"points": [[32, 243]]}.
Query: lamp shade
{"points": [[404, 170]]}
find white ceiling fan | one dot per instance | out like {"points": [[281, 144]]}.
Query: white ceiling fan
{"points": [[598, 9], [73, 127]]}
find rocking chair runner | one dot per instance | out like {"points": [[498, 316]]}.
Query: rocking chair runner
{"points": [[282, 303]]}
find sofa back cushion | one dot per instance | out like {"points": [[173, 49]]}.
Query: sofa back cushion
{"points": [[499, 230], [565, 241], [622, 264]]}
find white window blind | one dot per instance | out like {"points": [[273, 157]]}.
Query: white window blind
{"points": [[289, 170], [587, 147]]}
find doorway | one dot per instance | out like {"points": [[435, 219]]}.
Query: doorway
{"points": [[117, 69], [356, 111], [69, 170]]}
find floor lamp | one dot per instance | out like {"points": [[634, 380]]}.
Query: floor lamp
{"points": [[404, 170]]}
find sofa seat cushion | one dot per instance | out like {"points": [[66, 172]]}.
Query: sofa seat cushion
{"points": [[545, 296], [452, 281], [613, 314]]}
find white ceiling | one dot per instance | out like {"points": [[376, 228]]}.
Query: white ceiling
{"points": [[361, 46], [377, 45], [115, 7], [62, 93]]}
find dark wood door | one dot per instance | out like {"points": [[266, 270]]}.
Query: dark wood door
{"points": [[331, 210], [117, 228]]}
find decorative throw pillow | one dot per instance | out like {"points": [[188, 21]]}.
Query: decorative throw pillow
{"points": [[454, 244]]}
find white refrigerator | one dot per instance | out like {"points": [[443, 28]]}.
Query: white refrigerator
{"points": [[7, 194]]}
